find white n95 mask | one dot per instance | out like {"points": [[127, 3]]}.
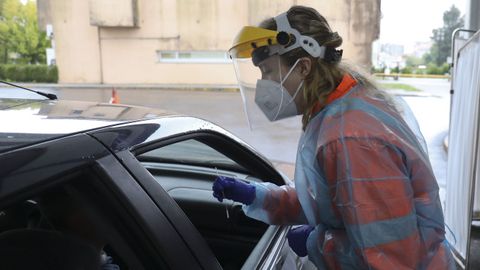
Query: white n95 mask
{"points": [[275, 101]]}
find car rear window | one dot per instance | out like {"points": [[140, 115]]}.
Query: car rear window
{"points": [[14, 140]]}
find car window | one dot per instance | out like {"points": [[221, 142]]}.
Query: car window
{"points": [[10, 141], [190, 152], [65, 221]]}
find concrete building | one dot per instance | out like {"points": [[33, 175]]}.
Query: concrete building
{"points": [[420, 48], [180, 41]]}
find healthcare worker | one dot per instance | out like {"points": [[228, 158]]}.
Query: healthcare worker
{"points": [[365, 194]]}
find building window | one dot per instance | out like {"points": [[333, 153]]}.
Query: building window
{"points": [[193, 57]]}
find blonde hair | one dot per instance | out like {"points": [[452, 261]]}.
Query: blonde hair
{"points": [[324, 76]]}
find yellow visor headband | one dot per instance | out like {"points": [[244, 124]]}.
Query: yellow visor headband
{"points": [[251, 38]]}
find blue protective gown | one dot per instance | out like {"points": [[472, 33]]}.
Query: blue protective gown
{"points": [[364, 180]]}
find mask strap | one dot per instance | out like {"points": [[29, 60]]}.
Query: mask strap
{"points": [[289, 72], [280, 71], [297, 91], [281, 85]]}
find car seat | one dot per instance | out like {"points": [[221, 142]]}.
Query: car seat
{"points": [[46, 250]]}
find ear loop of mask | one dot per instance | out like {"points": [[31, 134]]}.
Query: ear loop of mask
{"points": [[281, 85]]}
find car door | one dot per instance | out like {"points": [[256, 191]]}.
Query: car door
{"points": [[141, 235], [184, 165]]}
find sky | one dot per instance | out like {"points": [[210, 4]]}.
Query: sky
{"points": [[408, 21]]}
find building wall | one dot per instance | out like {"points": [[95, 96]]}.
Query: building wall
{"points": [[76, 42], [95, 45]]}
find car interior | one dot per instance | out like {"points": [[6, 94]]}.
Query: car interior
{"points": [[186, 169], [231, 235]]}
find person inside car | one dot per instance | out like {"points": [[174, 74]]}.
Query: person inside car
{"points": [[66, 215]]}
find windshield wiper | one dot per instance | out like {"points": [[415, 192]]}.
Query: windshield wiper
{"points": [[47, 95]]}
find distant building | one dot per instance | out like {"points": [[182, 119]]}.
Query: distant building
{"points": [[420, 48], [388, 55], [179, 41], [394, 50]]}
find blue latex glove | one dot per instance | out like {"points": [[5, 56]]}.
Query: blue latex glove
{"points": [[233, 189], [297, 239]]}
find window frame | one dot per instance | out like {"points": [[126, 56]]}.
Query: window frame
{"points": [[229, 165], [177, 59], [255, 166]]}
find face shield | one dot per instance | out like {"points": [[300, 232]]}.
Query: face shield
{"points": [[256, 55], [262, 86]]}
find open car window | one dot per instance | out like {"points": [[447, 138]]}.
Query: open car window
{"points": [[185, 168], [191, 152]]}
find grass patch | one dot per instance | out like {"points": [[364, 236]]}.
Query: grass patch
{"points": [[401, 86]]}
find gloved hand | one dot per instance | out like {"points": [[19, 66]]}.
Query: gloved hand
{"points": [[297, 239], [233, 189]]}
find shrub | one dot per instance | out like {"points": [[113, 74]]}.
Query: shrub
{"points": [[29, 73], [52, 74], [3, 72], [445, 68], [406, 70], [434, 69], [11, 72], [377, 70]]}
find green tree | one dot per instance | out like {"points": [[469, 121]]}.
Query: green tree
{"points": [[442, 37], [3, 46], [19, 32], [413, 61]]}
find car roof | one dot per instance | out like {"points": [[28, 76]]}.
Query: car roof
{"points": [[26, 121]]}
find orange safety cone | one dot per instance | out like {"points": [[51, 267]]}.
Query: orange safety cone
{"points": [[114, 99]]}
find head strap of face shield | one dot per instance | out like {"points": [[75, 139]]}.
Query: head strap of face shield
{"points": [[296, 40]]}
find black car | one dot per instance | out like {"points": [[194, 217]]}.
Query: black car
{"points": [[81, 181]]}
